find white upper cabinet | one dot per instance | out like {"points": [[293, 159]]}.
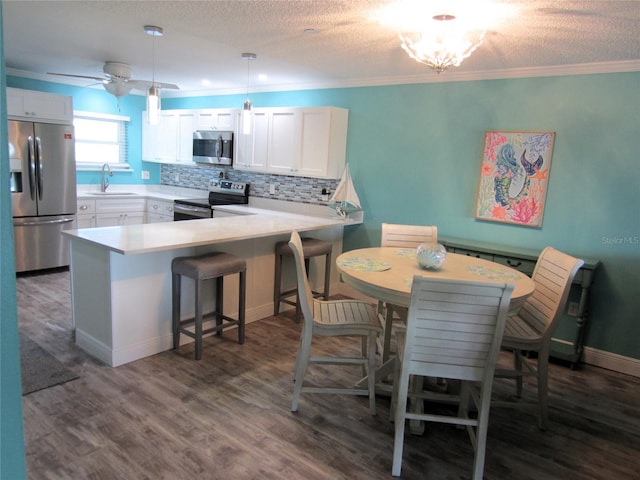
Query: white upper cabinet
{"points": [[284, 143], [306, 142], [215, 119], [171, 141], [250, 151], [33, 105], [323, 134]]}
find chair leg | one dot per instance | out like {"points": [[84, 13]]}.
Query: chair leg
{"points": [[276, 285], [219, 303], [327, 276], [302, 361], [388, 324], [400, 412], [241, 306], [175, 309], [480, 443], [517, 366], [371, 373], [198, 319], [543, 389]]}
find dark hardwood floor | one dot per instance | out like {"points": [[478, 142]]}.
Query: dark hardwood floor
{"points": [[228, 416]]}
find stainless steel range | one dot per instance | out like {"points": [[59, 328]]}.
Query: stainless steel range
{"points": [[221, 192]]}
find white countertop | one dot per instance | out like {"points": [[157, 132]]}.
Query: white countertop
{"points": [[159, 192], [153, 237]]}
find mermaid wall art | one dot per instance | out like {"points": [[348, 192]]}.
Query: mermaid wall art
{"points": [[514, 177]]}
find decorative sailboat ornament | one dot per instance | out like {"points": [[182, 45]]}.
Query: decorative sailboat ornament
{"points": [[345, 199]]}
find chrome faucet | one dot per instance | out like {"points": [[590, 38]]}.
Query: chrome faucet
{"points": [[104, 183]]}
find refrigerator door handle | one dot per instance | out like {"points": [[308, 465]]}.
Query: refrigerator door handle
{"points": [[32, 168], [39, 164], [33, 223]]}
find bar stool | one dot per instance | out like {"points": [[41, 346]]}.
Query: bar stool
{"points": [[203, 267], [312, 247]]}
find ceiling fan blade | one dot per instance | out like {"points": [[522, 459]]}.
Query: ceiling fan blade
{"points": [[145, 84], [97, 79]]}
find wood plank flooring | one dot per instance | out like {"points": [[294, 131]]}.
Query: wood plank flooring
{"points": [[228, 416]]}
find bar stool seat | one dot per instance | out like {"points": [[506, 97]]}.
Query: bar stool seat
{"points": [[312, 247], [204, 267]]}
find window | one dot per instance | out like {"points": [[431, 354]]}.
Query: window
{"points": [[100, 139]]}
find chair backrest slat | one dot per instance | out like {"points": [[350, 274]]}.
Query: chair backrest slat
{"points": [[454, 328], [553, 275], [407, 236]]}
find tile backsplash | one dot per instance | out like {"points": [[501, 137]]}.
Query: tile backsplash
{"points": [[287, 188]]}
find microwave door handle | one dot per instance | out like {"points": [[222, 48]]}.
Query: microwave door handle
{"points": [[39, 164], [219, 147], [31, 165]]}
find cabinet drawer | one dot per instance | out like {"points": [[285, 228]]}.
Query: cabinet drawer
{"points": [[120, 205], [472, 253], [524, 266], [86, 206]]}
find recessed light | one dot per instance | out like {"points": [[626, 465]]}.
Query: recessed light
{"points": [[310, 31], [206, 83]]}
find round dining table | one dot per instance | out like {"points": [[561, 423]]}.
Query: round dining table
{"points": [[386, 273]]}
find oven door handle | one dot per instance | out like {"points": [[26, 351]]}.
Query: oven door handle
{"points": [[180, 208]]}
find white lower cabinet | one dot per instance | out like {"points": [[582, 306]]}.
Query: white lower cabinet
{"points": [[159, 211], [115, 212], [86, 217]]}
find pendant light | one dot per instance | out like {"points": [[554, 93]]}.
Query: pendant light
{"points": [[153, 93], [246, 109]]}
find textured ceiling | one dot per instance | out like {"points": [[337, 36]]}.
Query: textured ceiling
{"points": [[205, 39]]}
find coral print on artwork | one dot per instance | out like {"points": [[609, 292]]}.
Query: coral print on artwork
{"points": [[514, 177]]}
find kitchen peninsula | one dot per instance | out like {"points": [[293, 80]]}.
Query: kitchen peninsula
{"points": [[121, 276]]}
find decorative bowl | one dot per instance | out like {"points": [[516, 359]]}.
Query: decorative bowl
{"points": [[431, 255]]}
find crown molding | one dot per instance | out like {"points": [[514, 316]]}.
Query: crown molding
{"points": [[428, 77]]}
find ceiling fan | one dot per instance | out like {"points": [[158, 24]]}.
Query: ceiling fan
{"points": [[117, 80]]}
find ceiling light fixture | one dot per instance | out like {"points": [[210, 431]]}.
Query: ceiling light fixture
{"points": [[247, 108], [443, 43], [153, 93]]}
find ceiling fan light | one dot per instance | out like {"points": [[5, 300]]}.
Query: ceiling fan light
{"points": [[117, 89], [153, 105]]}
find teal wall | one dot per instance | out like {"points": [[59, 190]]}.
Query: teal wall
{"points": [[414, 152], [12, 464]]}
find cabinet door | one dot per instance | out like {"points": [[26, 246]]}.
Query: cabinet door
{"points": [[315, 136], [185, 126], [215, 119], [251, 150], [39, 105], [85, 221], [284, 141], [168, 137], [150, 144]]}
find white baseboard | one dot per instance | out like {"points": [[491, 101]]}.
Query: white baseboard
{"points": [[611, 361], [591, 356]]}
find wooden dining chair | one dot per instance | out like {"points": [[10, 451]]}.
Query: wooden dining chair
{"points": [[333, 318], [403, 236], [454, 331], [533, 326]]}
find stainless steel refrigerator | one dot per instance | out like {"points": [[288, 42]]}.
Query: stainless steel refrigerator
{"points": [[43, 192]]}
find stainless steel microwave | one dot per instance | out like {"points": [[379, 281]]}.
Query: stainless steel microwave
{"points": [[212, 146]]}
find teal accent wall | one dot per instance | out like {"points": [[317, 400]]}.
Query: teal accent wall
{"points": [[414, 153], [12, 460]]}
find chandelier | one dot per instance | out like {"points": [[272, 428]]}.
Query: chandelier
{"points": [[443, 43]]}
